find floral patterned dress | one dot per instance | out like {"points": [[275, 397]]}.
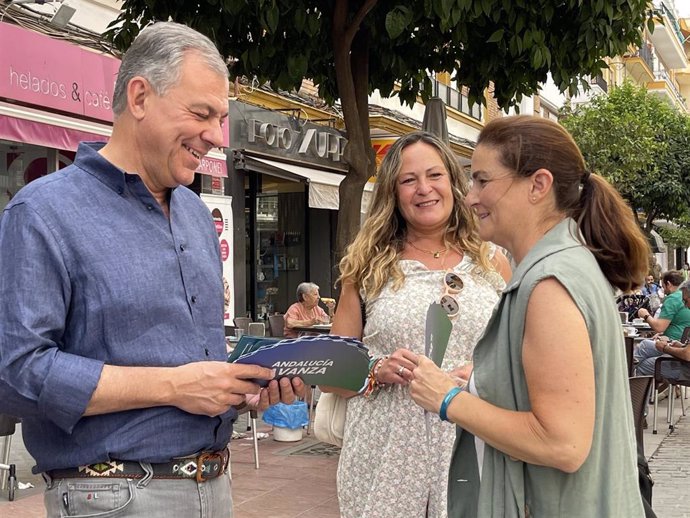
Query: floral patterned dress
{"points": [[395, 457]]}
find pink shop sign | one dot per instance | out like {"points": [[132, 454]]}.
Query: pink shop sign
{"points": [[43, 71]]}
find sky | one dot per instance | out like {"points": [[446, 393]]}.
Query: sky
{"points": [[683, 7]]}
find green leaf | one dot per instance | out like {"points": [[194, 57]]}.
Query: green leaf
{"points": [[536, 58], [496, 36], [300, 19], [272, 15], [446, 6], [313, 24], [397, 21]]}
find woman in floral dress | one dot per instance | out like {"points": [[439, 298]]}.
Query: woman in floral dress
{"points": [[418, 246]]}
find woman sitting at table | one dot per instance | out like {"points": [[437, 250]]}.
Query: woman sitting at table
{"points": [[306, 311]]}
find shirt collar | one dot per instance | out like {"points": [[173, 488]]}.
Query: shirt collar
{"points": [[90, 160]]}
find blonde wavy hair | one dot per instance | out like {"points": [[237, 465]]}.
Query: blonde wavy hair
{"points": [[372, 258]]}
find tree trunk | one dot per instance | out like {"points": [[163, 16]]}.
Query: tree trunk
{"points": [[352, 76]]}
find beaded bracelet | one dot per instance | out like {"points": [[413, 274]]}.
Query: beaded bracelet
{"points": [[442, 413], [372, 378]]}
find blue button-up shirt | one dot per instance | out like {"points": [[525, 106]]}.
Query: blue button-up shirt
{"points": [[94, 273]]}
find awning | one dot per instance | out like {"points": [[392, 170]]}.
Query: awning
{"points": [[51, 130], [323, 185], [656, 242]]}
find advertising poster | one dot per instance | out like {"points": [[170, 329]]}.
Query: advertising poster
{"points": [[221, 211]]}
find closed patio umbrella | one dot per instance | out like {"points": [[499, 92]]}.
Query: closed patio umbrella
{"points": [[435, 118]]}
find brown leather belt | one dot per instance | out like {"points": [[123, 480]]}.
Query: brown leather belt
{"points": [[203, 467]]}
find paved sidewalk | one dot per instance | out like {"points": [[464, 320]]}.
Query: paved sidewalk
{"points": [[670, 467], [297, 480], [294, 480]]}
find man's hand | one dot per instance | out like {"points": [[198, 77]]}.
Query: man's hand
{"points": [[661, 342], [283, 390], [211, 388]]}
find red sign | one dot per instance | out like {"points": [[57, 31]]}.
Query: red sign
{"points": [[224, 250]]}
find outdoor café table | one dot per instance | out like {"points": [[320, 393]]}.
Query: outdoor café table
{"points": [[318, 329], [643, 331]]}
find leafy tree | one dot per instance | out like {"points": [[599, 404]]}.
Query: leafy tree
{"points": [[641, 144], [351, 47]]}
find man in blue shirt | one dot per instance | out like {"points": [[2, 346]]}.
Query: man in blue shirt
{"points": [[651, 290], [112, 343], [649, 287]]}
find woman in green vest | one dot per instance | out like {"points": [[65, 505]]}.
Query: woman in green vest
{"points": [[545, 423]]}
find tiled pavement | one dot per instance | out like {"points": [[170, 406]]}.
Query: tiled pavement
{"points": [[286, 485], [292, 485], [670, 468]]}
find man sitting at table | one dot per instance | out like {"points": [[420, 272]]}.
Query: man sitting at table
{"points": [[306, 311], [672, 321]]}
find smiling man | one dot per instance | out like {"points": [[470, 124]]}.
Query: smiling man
{"points": [[112, 342]]}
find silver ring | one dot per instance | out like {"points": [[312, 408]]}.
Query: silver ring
{"points": [[401, 369]]}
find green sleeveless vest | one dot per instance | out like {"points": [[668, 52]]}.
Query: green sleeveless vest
{"points": [[606, 485]]}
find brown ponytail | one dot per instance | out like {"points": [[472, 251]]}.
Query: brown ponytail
{"points": [[526, 144], [612, 234]]}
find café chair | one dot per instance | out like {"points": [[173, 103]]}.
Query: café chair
{"points": [[8, 426], [253, 414], [242, 323], [672, 384], [640, 388], [256, 329], [276, 325]]}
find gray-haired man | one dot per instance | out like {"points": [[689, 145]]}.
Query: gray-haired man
{"points": [[112, 342]]}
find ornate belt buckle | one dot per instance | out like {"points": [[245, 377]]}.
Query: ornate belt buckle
{"points": [[205, 457]]}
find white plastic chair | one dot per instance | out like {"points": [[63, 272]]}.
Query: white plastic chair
{"points": [[256, 329]]}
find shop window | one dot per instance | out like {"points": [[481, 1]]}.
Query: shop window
{"points": [[21, 164], [279, 245]]}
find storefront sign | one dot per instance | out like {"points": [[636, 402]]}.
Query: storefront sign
{"points": [[50, 73], [221, 211], [213, 167], [311, 141], [272, 133], [43, 71]]}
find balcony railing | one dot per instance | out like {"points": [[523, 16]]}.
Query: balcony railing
{"points": [[456, 100], [662, 75], [665, 11], [600, 82], [645, 54]]}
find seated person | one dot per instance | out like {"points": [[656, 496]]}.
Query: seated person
{"points": [[649, 287], [306, 311], [673, 372], [672, 321], [653, 292]]}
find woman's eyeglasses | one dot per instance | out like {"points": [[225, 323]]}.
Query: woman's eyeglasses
{"points": [[453, 285]]}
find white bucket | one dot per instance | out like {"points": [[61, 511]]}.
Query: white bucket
{"points": [[286, 434]]}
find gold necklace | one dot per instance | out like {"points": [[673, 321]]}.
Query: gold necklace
{"points": [[436, 254]]}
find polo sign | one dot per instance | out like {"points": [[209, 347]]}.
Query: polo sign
{"points": [[311, 142]]}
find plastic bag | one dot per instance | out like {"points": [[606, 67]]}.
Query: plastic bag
{"points": [[287, 416]]}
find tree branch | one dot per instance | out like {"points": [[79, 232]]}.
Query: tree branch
{"points": [[357, 20]]}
